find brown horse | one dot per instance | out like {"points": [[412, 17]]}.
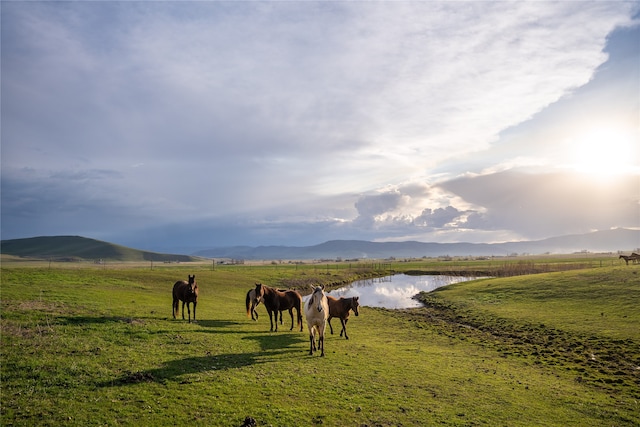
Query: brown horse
{"points": [[275, 300], [252, 302], [634, 257], [187, 292], [340, 308]]}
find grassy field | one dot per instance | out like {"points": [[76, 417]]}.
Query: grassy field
{"points": [[98, 346]]}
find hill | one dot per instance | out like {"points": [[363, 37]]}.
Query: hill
{"points": [[599, 241], [76, 247]]}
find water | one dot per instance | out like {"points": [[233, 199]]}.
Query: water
{"points": [[394, 291]]}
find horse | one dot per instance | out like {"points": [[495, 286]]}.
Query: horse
{"points": [[340, 308], [276, 300], [252, 302], [634, 257], [317, 312], [187, 292]]}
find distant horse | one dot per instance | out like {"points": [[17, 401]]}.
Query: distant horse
{"points": [[634, 258], [340, 308], [317, 312], [275, 300], [252, 302], [187, 292]]}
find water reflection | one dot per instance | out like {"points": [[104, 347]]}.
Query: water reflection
{"points": [[394, 291]]}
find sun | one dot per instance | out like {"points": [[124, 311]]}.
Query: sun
{"points": [[605, 151]]}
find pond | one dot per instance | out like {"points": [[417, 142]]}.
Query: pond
{"points": [[395, 291]]}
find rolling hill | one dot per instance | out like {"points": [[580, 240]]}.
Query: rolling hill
{"points": [[599, 241], [81, 248]]}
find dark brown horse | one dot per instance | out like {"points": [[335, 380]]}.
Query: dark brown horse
{"points": [[187, 292], [275, 300], [252, 302], [633, 258], [340, 308]]}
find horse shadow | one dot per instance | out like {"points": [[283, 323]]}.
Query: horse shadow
{"points": [[271, 345], [174, 369], [97, 320], [218, 325], [277, 343]]}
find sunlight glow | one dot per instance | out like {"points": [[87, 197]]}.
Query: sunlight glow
{"points": [[604, 152]]}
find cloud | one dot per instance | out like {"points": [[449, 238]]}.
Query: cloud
{"points": [[438, 218], [547, 204], [326, 117]]}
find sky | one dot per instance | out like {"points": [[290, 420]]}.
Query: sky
{"points": [[178, 126]]}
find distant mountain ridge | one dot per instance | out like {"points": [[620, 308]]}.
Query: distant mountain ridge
{"points": [[76, 247], [599, 241]]}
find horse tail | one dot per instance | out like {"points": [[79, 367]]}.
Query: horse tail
{"points": [[248, 302], [299, 309], [176, 299]]}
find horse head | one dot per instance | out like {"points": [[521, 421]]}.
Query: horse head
{"points": [[319, 291], [354, 305], [259, 291], [193, 286]]}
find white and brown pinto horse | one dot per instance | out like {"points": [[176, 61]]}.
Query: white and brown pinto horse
{"points": [[317, 312]]}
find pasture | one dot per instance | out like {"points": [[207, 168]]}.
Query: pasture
{"points": [[99, 346]]}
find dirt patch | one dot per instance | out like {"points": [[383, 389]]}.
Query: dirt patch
{"points": [[45, 306]]}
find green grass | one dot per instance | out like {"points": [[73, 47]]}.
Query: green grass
{"points": [[94, 346]]}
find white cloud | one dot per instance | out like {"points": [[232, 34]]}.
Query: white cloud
{"points": [[283, 110]]}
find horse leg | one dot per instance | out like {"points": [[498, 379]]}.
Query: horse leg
{"points": [[175, 307], [183, 303], [344, 328], [331, 327], [189, 311], [312, 341], [194, 311], [299, 318], [280, 317], [321, 342], [271, 321], [291, 314]]}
